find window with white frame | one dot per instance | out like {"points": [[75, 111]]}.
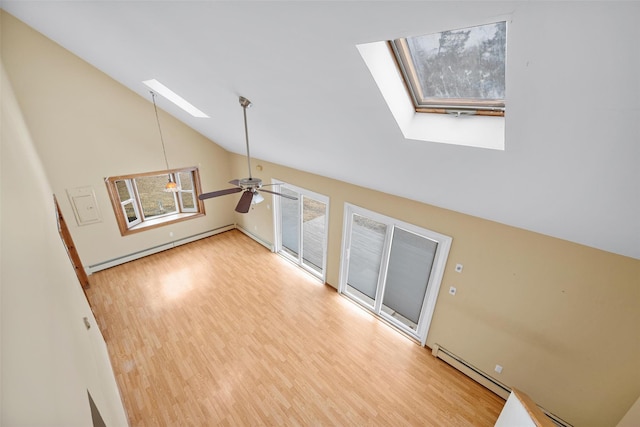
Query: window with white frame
{"points": [[140, 201]]}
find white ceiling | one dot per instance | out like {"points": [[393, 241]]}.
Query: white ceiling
{"points": [[570, 168]]}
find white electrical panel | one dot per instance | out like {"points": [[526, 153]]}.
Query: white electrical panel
{"points": [[84, 204]]}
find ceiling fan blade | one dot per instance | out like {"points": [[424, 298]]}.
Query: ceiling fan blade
{"points": [[235, 182], [280, 194], [219, 193], [245, 202]]}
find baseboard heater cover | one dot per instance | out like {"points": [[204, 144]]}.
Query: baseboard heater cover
{"points": [[471, 371], [150, 251], [485, 380]]}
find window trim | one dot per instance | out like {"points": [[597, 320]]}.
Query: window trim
{"points": [[143, 224], [193, 193], [131, 200]]}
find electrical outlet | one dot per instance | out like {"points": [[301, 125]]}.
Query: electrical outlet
{"points": [[452, 290], [459, 268], [498, 369]]}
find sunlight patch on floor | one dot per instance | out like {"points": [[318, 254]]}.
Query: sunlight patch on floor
{"points": [[177, 284]]}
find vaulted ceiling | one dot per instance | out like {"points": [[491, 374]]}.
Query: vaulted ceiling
{"points": [[570, 167]]}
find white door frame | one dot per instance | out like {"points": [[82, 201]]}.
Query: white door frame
{"points": [[277, 221], [435, 278]]}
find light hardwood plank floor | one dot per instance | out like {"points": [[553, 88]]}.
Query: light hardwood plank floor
{"points": [[223, 332]]}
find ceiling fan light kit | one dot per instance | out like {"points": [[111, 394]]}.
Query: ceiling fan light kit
{"points": [[257, 198], [250, 186]]}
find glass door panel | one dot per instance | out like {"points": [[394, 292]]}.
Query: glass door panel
{"points": [[301, 228], [290, 223], [392, 268], [365, 258], [314, 216], [410, 261]]}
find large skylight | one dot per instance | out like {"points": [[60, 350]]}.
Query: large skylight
{"points": [[472, 114], [461, 69]]}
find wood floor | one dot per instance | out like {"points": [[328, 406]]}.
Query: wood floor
{"points": [[223, 332]]}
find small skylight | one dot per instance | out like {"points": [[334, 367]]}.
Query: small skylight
{"points": [[161, 89], [455, 71]]}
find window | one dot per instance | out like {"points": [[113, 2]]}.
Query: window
{"points": [[140, 202], [471, 124], [458, 71]]}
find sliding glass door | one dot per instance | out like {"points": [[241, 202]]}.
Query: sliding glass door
{"points": [[365, 258], [407, 279], [392, 268], [301, 228], [289, 223]]}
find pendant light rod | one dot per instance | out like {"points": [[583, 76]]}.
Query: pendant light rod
{"points": [[164, 151], [171, 186], [245, 103]]}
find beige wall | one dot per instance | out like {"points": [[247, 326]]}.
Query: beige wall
{"points": [[49, 360], [561, 318], [87, 127], [632, 417]]}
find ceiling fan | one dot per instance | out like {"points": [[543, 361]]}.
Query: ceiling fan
{"points": [[248, 186]]}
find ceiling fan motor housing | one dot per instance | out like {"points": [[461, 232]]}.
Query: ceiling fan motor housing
{"points": [[248, 186], [250, 183]]}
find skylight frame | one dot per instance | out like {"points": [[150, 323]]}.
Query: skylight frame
{"points": [[423, 104]]}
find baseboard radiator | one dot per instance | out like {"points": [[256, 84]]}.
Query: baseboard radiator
{"points": [[150, 251], [484, 379]]}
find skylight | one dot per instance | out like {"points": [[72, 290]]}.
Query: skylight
{"points": [[445, 111], [161, 89], [459, 71]]}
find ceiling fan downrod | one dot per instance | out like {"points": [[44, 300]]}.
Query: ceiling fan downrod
{"points": [[245, 103], [247, 186]]}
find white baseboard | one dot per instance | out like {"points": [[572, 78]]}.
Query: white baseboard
{"points": [[471, 371], [150, 251], [485, 380]]}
